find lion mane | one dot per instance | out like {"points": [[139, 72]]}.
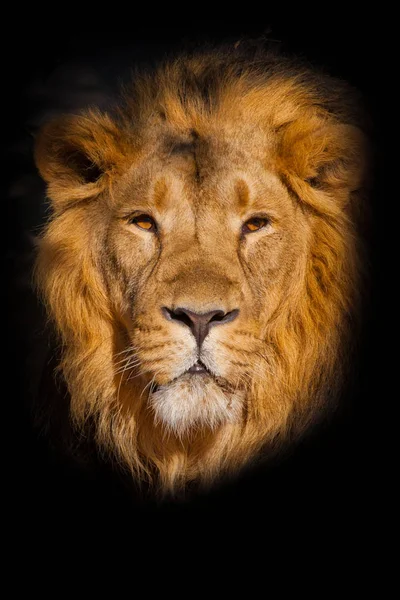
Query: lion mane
{"points": [[211, 118]]}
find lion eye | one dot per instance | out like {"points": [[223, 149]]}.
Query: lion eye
{"points": [[144, 222], [254, 224]]}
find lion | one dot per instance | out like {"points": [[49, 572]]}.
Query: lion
{"points": [[202, 262]]}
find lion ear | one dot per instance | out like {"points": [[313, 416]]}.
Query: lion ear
{"points": [[329, 157], [75, 153]]}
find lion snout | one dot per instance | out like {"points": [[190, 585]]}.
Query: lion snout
{"points": [[199, 323]]}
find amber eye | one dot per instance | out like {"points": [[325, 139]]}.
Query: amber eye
{"points": [[143, 222], [254, 224]]}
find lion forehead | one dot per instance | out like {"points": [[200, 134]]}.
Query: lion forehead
{"points": [[221, 177]]}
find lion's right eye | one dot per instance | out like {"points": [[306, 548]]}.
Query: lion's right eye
{"points": [[144, 222], [255, 224]]}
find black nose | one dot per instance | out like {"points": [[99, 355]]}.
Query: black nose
{"points": [[199, 323]]}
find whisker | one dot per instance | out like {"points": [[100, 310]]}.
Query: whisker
{"points": [[120, 383], [145, 361], [131, 376], [124, 360], [128, 364], [129, 349], [150, 382]]}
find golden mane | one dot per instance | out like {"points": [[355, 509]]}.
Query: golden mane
{"points": [[318, 150]]}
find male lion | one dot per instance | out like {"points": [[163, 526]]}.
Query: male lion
{"points": [[202, 263]]}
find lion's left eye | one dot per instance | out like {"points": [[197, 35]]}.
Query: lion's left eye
{"points": [[144, 222], [254, 224]]}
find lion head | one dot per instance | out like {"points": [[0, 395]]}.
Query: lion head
{"points": [[201, 263]]}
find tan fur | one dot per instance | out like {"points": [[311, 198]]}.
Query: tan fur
{"points": [[202, 145]]}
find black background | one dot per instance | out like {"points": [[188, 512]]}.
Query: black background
{"points": [[333, 487]]}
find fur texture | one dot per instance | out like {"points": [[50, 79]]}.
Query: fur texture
{"points": [[203, 145]]}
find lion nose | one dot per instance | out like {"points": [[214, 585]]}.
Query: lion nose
{"points": [[199, 323]]}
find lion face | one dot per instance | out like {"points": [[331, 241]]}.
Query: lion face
{"points": [[205, 249], [201, 264]]}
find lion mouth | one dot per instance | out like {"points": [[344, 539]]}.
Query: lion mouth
{"points": [[198, 369], [198, 372]]}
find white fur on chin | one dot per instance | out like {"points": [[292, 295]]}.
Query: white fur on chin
{"points": [[195, 401]]}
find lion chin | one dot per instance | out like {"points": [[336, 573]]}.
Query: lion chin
{"points": [[194, 402]]}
